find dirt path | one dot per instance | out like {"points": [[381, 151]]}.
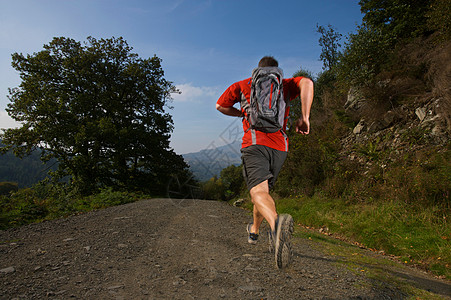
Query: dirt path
{"points": [[162, 249]]}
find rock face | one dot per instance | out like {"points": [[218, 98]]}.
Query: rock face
{"points": [[432, 119], [429, 117], [355, 100], [406, 128]]}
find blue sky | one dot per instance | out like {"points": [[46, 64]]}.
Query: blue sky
{"points": [[205, 45]]}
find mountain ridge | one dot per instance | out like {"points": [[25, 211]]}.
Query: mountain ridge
{"points": [[209, 162]]}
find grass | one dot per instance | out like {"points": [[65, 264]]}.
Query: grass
{"points": [[50, 202], [361, 262], [411, 236]]}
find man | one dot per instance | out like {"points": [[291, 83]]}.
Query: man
{"points": [[263, 154]]}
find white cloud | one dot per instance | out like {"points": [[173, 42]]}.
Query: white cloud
{"points": [[6, 121], [190, 93]]}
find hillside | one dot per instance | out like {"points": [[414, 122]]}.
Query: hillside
{"points": [[208, 163], [26, 171]]}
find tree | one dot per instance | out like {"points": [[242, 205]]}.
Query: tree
{"points": [[99, 110], [397, 18], [330, 44], [232, 181], [387, 25], [365, 54]]}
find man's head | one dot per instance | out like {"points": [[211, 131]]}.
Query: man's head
{"points": [[268, 61]]}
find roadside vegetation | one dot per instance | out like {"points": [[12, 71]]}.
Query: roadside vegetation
{"points": [[46, 202]]}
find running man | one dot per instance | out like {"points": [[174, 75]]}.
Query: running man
{"points": [[263, 154]]}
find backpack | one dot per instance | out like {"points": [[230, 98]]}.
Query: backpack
{"points": [[266, 108]]}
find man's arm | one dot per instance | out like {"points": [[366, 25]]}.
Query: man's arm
{"points": [[229, 111], [306, 88]]}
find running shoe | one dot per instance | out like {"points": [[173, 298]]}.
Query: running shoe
{"points": [[271, 241], [252, 237], [282, 240]]}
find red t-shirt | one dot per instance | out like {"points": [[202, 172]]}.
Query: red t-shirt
{"points": [[277, 140]]}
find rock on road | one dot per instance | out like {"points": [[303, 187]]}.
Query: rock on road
{"points": [[167, 249]]}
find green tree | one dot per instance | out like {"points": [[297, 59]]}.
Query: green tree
{"points": [[99, 110], [397, 18], [387, 25], [365, 54], [330, 44], [232, 181], [213, 189]]}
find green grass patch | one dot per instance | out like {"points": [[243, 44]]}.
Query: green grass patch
{"points": [[366, 263], [415, 237], [47, 202]]}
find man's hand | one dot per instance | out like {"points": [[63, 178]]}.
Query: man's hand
{"points": [[303, 126]]}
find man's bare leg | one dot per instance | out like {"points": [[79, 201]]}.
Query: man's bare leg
{"points": [[264, 206], [258, 219]]}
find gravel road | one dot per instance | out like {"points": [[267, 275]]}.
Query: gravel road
{"points": [[168, 249]]}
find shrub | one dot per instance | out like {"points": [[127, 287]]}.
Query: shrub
{"points": [[107, 197], [421, 179], [22, 207], [49, 201], [7, 187]]}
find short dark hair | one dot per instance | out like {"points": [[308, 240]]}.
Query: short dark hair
{"points": [[268, 61]]}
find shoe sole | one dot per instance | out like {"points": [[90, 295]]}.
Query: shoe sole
{"points": [[283, 250]]}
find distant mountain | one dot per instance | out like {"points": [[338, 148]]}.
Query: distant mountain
{"points": [[26, 171], [209, 162]]}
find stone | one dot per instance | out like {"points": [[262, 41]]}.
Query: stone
{"points": [[115, 287], [8, 270], [238, 202], [251, 288], [421, 113], [250, 268], [388, 119], [359, 127], [355, 100], [375, 127]]}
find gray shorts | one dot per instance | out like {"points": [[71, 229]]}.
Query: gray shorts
{"points": [[261, 163]]}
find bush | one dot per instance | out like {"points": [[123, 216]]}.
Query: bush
{"points": [[439, 19], [421, 179], [213, 189], [106, 198], [22, 207], [47, 201], [311, 159], [7, 187]]}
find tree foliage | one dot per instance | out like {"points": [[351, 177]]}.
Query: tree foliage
{"points": [[228, 186], [365, 54], [330, 44], [398, 18], [99, 110], [386, 25], [232, 181]]}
